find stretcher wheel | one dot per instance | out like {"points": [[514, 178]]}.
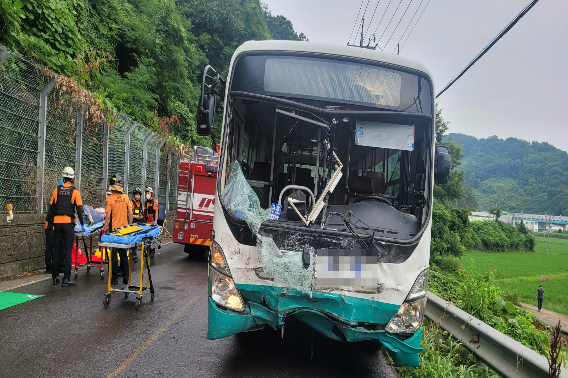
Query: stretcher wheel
{"points": [[75, 275], [138, 302], [106, 301], [126, 295], [152, 296], [102, 274], [88, 269]]}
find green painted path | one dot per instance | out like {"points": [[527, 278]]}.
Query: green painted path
{"points": [[11, 299]]}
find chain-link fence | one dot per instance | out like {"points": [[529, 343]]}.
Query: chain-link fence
{"points": [[43, 130]]}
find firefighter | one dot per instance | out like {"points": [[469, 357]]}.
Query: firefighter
{"points": [[137, 207], [49, 241], [64, 201], [118, 211], [151, 211], [151, 207], [137, 214]]}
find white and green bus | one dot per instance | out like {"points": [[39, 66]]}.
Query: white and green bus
{"points": [[323, 205]]}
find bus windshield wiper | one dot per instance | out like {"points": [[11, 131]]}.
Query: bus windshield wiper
{"points": [[347, 221]]}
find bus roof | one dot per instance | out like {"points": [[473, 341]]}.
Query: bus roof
{"points": [[337, 50]]}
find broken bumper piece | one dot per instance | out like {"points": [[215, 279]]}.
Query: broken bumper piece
{"points": [[336, 316]]}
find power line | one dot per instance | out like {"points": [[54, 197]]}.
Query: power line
{"points": [[400, 2], [372, 17], [384, 13], [410, 23], [355, 24], [398, 24], [493, 42], [416, 23]]}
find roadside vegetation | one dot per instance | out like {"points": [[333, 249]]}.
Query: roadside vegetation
{"points": [[467, 269], [144, 58]]}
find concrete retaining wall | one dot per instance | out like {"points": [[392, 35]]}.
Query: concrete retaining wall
{"points": [[22, 243]]}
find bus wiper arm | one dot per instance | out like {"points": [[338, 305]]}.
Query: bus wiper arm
{"points": [[347, 221]]}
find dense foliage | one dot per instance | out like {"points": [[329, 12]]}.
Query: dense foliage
{"points": [[454, 191], [515, 174], [481, 296], [449, 227], [500, 237], [145, 57], [453, 234]]}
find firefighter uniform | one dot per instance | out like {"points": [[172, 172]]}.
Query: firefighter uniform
{"points": [[65, 200], [49, 243], [118, 211], [137, 211], [151, 210]]}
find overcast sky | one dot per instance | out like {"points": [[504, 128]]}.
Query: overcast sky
{"points": [[518, 89]]}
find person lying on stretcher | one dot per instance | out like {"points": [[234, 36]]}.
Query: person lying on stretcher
{"points": [[91, 216]]}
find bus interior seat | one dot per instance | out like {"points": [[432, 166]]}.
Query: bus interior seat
{"points": [[352, 176], [362, 186], [261, 171], [303, 177], [378, 181]]}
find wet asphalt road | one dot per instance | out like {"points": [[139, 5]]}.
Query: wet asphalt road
{"points": [[68, 332]]}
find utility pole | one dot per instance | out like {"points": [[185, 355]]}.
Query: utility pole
{"points": [[547, 239], [362, 28], [398, 48], [361, 41], [544, 230]]}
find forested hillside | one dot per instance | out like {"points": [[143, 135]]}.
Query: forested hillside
{"points": [[515, 174], [140, 57]]}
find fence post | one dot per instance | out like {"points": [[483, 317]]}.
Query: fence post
{"points": [[105, 158], [168, 186], [145, 160], [78, 147], [127, 155], [41, 133], [4, 54], [157, 171]]}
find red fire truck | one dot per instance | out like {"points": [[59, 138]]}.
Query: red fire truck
{"points": [[193, 225]]}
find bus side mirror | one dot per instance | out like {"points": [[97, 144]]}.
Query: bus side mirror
{"points": [[205, 114], [212, 84], [442, 165]]}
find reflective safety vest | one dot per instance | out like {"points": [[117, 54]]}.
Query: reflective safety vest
{"points": [[137, 208], [150, 205], [64, 206]]}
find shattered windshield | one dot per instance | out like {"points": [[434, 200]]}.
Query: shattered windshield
{"points": [[242, 202]]}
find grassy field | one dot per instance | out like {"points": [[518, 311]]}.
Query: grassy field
{"points": [[522, 272]]}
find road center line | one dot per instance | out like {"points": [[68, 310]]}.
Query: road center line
{"points": [[152, 338]]}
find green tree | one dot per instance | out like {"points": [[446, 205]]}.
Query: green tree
{"points": [[222, 25], [496, 211], [454, 190], [280, 27]]}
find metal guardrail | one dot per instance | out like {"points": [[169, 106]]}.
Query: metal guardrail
{"points": [[506, 356]]}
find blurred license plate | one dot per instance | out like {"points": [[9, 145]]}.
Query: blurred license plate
{"points": [[347, 267]]}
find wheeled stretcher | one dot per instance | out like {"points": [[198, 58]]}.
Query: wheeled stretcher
{"points": [[147, 239], [95, 230]]}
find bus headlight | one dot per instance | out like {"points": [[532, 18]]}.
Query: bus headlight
{"points": [[420, 287], [223, 291], [218, 260], [408, 318], [410, 315]]}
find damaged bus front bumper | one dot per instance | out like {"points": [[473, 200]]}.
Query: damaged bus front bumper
{"points": [[339, 317]]}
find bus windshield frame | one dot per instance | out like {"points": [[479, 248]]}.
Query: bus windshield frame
{"points": [[274, 137]]}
